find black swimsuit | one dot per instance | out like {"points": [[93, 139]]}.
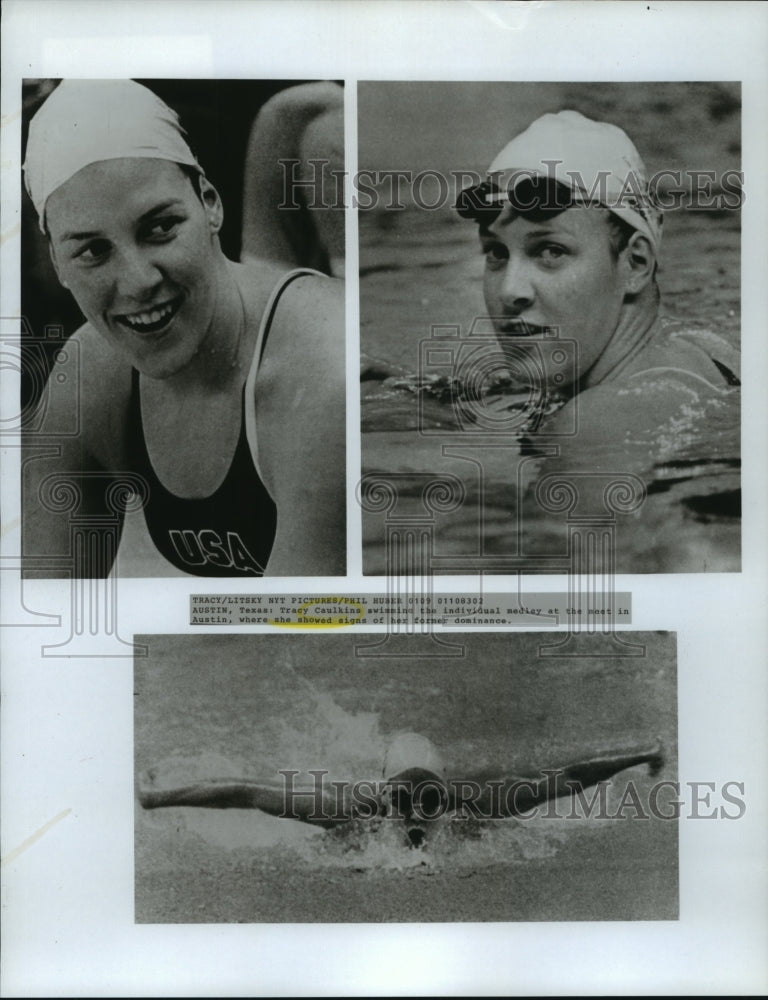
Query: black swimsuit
{"points": [[230, 532]]}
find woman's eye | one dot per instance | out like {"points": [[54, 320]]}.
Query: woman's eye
{"points": [[163, 229], [495, 253], [93, 252], [550, 253]]}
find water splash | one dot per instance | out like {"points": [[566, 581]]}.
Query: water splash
{"points": [[452, 844], [336, 738]]}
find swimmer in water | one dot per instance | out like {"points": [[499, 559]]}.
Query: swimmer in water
{"points": [[570, 236], [217, 387], [415, 790]]}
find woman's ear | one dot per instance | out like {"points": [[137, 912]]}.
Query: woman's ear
{"points": [[640, 262], [212, 204]]}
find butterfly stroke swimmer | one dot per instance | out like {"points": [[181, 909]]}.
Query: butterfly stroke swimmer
{"points": [[415, 790]]}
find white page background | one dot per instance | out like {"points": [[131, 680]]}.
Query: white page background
{"points": [[67, 737]]}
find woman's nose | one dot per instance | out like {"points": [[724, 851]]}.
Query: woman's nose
{"points": [[517, 290], [137, 276]]}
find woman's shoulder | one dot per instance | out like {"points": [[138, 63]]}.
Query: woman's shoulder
{"points": [[299, 395], [313, 305], [301, 376], [261, 278], [100, 390], [686, 351], [684, 370], [301, 313]]}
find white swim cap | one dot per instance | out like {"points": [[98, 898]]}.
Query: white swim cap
{"points": [[86, 121], [409, 752], [595, 160]]}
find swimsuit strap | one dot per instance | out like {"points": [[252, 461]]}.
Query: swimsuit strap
{"points": [[271, 308], [261, 340]]}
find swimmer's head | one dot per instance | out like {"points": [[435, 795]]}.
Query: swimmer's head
{"points": [[569, 237], [562, 160], [415, 785], [411, 751], [90, 121], [132, 222]]}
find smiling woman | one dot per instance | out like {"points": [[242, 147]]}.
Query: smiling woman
{"points": [[198, 376], [130, 239]]}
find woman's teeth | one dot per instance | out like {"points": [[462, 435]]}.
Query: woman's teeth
{"points": [[145, 322]]}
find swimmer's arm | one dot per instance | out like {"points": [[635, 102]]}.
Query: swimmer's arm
{"points": [[66, 460], [301, 123], [509, 796], [287, 801], [301, 429]]}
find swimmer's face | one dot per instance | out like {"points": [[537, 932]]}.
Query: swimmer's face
{"points": [[557, 271], [419, 799], [136, 245]]}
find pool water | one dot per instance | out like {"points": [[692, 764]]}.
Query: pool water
{"points": [[249, 705]]}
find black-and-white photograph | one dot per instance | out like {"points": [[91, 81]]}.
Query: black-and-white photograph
{"points": [[300, 779], [550, 320], [429, 338], [184, 338]]}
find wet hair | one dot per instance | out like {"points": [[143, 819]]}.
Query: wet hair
{"points": [[535, 199]]}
